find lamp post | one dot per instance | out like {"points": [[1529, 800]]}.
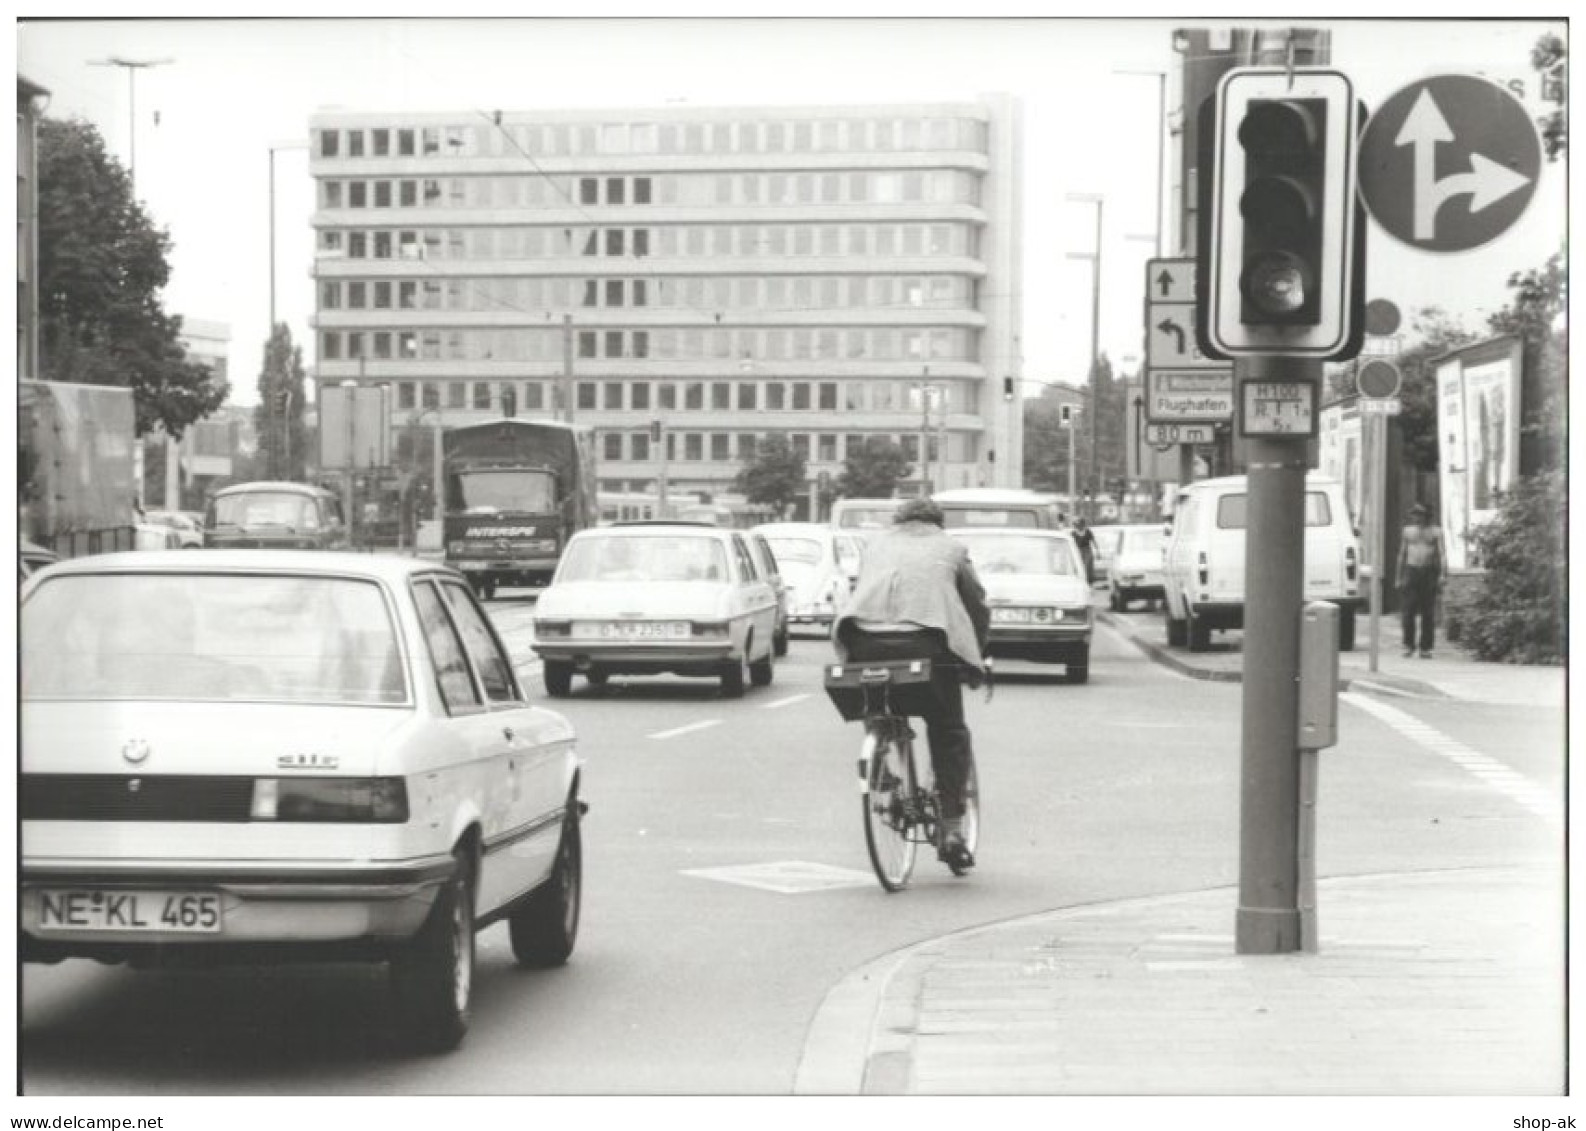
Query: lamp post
{"points": [[927, 391], [132, 67], [1161, 145], [1095, 311], [437, 471]]}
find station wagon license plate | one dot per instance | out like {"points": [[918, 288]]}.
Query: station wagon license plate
{"points": [[644, 630], [150, 912], [1010, 616]]}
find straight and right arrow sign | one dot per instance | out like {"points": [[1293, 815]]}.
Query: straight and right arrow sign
{"points": [[1478, 134]]}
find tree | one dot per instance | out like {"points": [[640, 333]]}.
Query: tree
{"points": [[102, 265], [278, 419], [1433, 333], [773, 476], [873, 471], [1547, 58]]}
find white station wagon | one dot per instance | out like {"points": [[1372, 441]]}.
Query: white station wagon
{"points": [[258, 755], [645, 598]]}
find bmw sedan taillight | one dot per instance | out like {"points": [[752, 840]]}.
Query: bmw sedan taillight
{"points": [[351, 800]]}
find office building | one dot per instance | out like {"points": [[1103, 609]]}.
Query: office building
{"points": [[829, 273]]}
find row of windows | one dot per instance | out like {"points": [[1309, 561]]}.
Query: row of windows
{"points": [[690, 396], [561, 139], [822, 447], [673, 241], [748, 292], [544, 190], [511, 344], [691, 241]]}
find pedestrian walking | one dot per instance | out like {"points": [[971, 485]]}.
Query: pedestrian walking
{"points": [[1420, 579], [1085, 539]]}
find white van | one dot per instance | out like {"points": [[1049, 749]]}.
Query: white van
{"points": [[1204, 566], [864, 515]]}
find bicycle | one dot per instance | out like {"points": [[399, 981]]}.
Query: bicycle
{"points": [[902, 806]]}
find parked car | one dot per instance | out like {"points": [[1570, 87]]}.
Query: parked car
{"points": [[982, 508], [189, 531], [820, 565], [649, 598], [31, 557], [765, 558], [1038, 595], [1135, 571], [275, 516], [260, 755], [1204, 567]]}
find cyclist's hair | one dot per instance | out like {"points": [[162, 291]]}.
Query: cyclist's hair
{"points": [[920, 510]]}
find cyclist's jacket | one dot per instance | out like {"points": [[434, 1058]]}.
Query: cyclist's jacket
{"points": [[915, 574]]}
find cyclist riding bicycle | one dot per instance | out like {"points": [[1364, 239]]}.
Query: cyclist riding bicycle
{"points": [[918, 597]]}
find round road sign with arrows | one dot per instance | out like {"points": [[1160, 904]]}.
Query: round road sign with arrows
{"points": [[1449, 163]]}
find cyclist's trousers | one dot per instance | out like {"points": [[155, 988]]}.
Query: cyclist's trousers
{"points": [[944, 726]]}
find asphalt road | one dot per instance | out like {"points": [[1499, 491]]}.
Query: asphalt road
{"points": [[727, 886]]}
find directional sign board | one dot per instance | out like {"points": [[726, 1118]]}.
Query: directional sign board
{"points": [[1180, 433], [1449, 163], [1189, 396], [1182, 384]]}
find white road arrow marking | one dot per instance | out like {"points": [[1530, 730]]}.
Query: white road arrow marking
{"points": [[1487, 182], [703, 724]]}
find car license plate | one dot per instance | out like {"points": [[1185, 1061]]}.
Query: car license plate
{"points": [[1010, 616], [644, 630], [181, 912]]}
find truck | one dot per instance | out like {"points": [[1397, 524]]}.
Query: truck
{"points": [[516, 491], [75, 486]]}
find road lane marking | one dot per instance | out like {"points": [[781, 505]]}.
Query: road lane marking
{"points": [[786, 877], [703, 724], [784, 702], [1490, 771]]}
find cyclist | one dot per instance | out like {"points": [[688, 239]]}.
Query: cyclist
{"points": [[917, 597]]}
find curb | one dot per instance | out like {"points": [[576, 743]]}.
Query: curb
{"points": [[1375, 684]]}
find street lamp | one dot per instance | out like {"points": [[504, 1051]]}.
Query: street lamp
{"points": [[1161, 145], [437, 470], [132, 67], [1095, 311], [929, 392]]}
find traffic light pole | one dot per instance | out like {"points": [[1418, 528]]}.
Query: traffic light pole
{"points": [[1271, 918]]}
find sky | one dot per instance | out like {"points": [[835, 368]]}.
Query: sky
{"points": [[207, 119]]}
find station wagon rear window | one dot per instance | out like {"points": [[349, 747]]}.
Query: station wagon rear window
{"points": [[251, 509], [1231, 511], [629, 557], [227, 637], [1014, 554]]}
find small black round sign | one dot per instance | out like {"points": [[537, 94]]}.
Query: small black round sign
{"points": [[1378, 379], [1449, 163], [1382, 318]]}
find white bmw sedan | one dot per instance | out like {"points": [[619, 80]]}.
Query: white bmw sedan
{"points": [[1038, 594], [261, 755]]}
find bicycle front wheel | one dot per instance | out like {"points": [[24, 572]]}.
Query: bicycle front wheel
{"points": [[886, 813]]}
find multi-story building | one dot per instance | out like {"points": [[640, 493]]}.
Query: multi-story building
{"points": [[829, 273], [31, 99]]}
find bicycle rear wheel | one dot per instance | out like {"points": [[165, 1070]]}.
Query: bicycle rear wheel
{"points": [[885, 803]]}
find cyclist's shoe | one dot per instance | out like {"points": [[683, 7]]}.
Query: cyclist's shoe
{"points": [[955, 853]]}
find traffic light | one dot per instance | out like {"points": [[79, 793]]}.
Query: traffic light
{"points": [[1065, 414], [1281, 250], [1007, 388], [655, 431]]}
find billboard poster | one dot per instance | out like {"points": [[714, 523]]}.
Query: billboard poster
{"points": [[1454, 515], [1478, 412], [1339, 454]]}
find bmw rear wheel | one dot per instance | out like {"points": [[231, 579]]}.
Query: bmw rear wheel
{"points": [[433, 977]]}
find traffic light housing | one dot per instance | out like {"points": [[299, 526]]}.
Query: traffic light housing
{"points": [[1280, 264], [1007, 388]]}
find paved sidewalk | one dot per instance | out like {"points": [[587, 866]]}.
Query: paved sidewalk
{"points": [[1430, 983], [1448, 674]]}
